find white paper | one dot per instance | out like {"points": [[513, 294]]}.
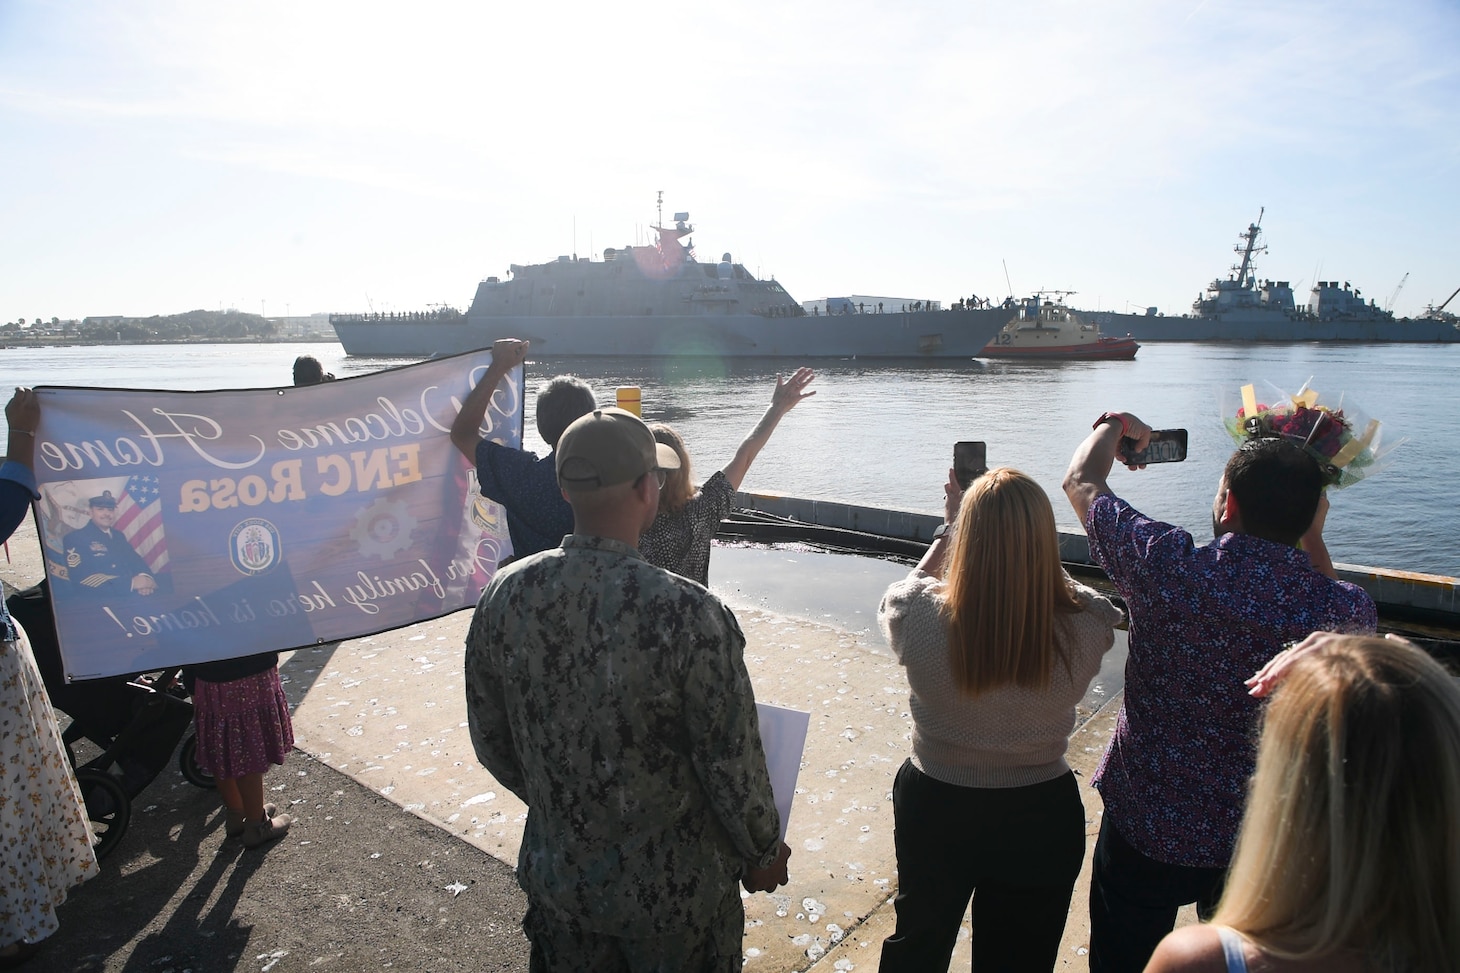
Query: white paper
{"points": [[783, 734]]}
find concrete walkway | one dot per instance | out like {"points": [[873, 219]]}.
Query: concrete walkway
{"points": [[388, 711]]}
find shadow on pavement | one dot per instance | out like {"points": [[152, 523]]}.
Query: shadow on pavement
{"points": [[357, 884]]}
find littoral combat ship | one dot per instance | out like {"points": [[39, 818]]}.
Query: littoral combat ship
{"points": [[1241, 308], [658, 300]]}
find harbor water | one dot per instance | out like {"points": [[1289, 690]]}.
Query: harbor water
{"points": [[882, 434]]}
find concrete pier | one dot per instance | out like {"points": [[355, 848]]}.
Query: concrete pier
{"points": [[389, 711]]}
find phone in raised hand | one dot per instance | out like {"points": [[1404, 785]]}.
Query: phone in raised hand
{"points": [[1165, 446], [969, 462]]}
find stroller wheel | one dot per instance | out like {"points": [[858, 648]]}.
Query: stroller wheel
{"points": [[187, 762], [107, 805]]}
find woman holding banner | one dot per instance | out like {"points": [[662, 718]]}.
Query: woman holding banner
{"points": [[43, 825], [689, 514], [999, 645]]}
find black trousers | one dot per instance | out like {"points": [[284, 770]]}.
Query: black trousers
{"points": [[1134, 900], [1016, 851]]}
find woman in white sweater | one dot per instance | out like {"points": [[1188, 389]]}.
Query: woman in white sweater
{"points": [[999, 644]]}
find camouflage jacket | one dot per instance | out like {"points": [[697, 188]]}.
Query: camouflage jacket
{"points": [[612, 697]]}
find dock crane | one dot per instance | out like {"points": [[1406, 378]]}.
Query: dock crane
{"points": [[1438, 313], [1389, 304]]}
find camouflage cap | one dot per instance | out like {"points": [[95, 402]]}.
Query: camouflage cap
{"points": [[607, 447]]}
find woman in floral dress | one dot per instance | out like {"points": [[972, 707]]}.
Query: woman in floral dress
{"points": [[45, 837]]}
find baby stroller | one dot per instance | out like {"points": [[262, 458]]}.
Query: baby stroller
{"points": [[135, 721]]}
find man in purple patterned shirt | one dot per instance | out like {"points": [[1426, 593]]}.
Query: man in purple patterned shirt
{"points": [[1202, 620]]}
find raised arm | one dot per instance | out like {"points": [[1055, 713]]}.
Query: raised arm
{"points": [[466, 430], [789, 393], [1090, 466], [937, 552], [1312, 541]]}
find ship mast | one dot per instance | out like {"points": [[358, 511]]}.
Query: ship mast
{"points": [[1250, 239], [1058, 296]]}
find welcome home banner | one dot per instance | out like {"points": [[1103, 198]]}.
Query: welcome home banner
{"points": [[185, 527]]}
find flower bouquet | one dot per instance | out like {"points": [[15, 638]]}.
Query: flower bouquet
{"points": [[1346, 443]]}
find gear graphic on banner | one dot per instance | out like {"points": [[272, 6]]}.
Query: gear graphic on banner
{"points": [[383, 529]]}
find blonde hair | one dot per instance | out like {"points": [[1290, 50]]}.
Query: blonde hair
{"points": [[1351, 840], [1003, 586], [679, 487]]}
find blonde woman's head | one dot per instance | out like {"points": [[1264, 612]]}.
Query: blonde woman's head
{"points": [[680, 486], [1003, 585], [1351, 839]]}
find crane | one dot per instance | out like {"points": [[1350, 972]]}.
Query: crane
{"points": [[1439, 312], [1389, 304]]}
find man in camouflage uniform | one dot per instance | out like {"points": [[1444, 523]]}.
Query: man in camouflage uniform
{"points": [[612, 697]]}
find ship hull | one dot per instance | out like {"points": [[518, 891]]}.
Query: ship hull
{"points": [[1106, 349], [923, 334], [1270, 327]]}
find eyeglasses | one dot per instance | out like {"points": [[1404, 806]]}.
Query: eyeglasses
{"points": [[661, 475]]}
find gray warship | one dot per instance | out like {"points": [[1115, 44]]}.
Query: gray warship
{"points": [[1243, 309], [660, 301]]}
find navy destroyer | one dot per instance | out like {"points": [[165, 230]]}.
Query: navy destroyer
{"points": [[1242, 308], [658, 301]]}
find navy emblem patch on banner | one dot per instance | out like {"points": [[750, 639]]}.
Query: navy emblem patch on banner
{"points": [[254, 546]]}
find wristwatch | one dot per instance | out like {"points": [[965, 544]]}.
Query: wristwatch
{"points": [[940, 530], [1107, 416]]}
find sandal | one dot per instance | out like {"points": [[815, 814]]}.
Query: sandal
{"points": [[234, 821]]}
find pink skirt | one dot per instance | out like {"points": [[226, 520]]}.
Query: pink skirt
{"points": [[243, 725]]}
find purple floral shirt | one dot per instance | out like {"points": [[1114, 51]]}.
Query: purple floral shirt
{"points": [[1202, 620]]}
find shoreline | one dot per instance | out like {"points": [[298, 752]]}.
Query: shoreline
{"points": [[10, 345]]}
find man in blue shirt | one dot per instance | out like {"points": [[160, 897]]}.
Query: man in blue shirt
{"points": [[538, 517], [1202, 620]]}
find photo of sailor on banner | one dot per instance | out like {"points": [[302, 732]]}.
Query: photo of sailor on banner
{"points": [[185, 527], [106, 536]]}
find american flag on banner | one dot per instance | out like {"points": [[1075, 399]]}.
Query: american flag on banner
{"points": [[139, 518]]}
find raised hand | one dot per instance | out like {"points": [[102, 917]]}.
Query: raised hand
{"points": [[23, 411], [509, 352], [790, 391]]}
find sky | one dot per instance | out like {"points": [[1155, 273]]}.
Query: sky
{"points": [[298, 157]]}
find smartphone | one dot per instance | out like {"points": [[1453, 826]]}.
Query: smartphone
{"points": [[1166, 446], [969, 462]]}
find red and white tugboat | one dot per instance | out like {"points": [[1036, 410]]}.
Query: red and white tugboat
{"points": [[1047, 329]]}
